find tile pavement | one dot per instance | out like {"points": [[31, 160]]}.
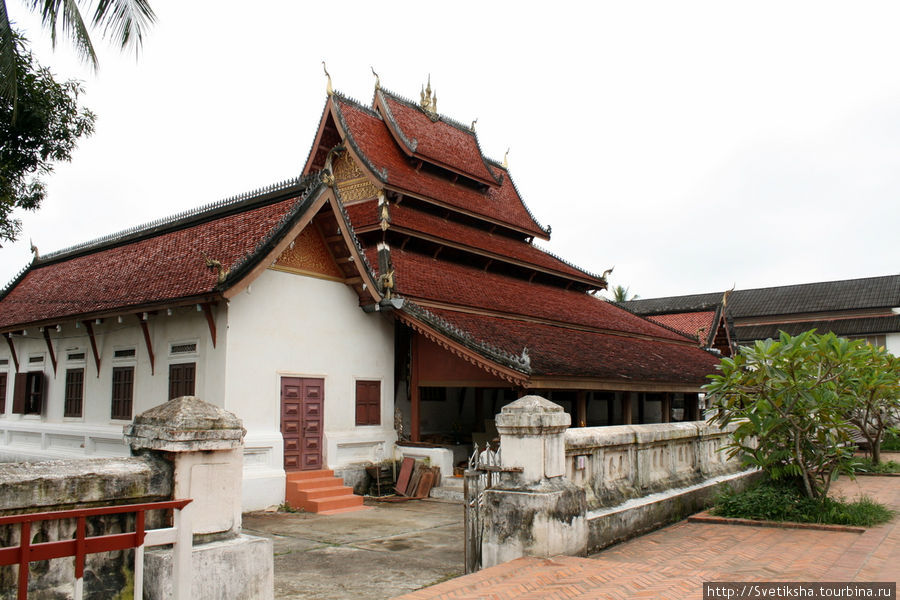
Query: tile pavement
{"points": [[674, 562]]}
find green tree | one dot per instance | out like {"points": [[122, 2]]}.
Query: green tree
{"points": [[620, 294], [876, 385], [48, 123], [790, 398], [124, 21]]}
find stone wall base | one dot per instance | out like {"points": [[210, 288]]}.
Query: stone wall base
{"points": [[544, 519], [608, 526], [239, 568]]}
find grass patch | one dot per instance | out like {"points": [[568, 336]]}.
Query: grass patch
{"points": [[780, 501], [865, 465], [890, 443]]}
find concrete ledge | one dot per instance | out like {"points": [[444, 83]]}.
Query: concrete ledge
{"points": [[608, 526], [236, 569], [705, 517]]}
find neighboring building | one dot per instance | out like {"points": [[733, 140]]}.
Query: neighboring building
{"points": [[867, 308], [393, 290]]}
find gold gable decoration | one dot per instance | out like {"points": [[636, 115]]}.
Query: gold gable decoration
{"points": [[308, 255], [351, 181]]}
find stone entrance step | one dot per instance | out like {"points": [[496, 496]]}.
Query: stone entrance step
{"points": [[320, 492], [451, 488]]}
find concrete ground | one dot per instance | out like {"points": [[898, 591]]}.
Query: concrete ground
{"points": [[673, 562], [391, 549]]}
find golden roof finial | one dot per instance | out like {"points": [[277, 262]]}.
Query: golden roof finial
{"points": [[428, 101], [377, 78], [506, 159], [328, 89]]}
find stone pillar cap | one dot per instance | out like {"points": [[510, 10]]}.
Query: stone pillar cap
{"points": [[186, 424], [532, 415]]}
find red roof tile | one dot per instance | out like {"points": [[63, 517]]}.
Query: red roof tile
{"points": [[561, 352], [155, 269], [452, 231], [439, 142], [370, 133], [689, 323], [425, 278]]}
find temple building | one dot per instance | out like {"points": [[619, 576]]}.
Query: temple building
{"points": [[390, 297], [867, 308]]}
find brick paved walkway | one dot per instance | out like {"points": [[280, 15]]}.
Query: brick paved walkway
{"points": [[674, 561]]}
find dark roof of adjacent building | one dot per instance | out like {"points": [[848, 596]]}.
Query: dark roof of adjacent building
{"points": [[845, 295], [842, 327]]}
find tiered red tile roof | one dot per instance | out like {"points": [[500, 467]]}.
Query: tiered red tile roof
{"points": [[563, 332], [440, 142], [369, 132]]}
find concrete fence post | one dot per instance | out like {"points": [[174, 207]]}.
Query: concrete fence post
{"points": [[204, 443], [538, 512]]}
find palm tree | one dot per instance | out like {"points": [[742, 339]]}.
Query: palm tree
{"points": [[620, 294], [124, 21]]}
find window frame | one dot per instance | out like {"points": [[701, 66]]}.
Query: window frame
{"points": [[123, 401], [69, 398], [193, 379], [368, 409]]}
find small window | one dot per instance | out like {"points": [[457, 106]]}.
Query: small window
{"points": [[122, 392], [368, 403], [124, 353], [181, 380], [74, 392], [75, 356], [33, 360], [4, 362], [2, 393], [28, 393], [185, 348]]}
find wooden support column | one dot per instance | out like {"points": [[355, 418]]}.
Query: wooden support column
{"points": [[90, 329], [581, 408], [479, 409], [626, 408], [414, 390], [50, 348], [610, 408], [692, 406], [207, 310], [667, 408], [12, 350], [148, 343], [642, 401]]}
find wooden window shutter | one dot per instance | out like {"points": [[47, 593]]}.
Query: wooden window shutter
{"points": [[368, 403], [3, 381], [20, 390]]}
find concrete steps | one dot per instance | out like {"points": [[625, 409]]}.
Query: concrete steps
{"points": [[451, 488], [320, 492]]}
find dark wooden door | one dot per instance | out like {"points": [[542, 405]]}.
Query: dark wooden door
{"points": [[302, 423]]}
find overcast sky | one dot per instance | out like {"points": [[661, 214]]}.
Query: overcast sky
{"points": [[693, 145]]}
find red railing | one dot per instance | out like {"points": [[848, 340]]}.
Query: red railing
{"points": [[82, 545]]}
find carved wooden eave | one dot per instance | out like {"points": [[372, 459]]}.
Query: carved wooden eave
{"points": [[537, 382], [46, 332], [512, 376], [12, 350]]}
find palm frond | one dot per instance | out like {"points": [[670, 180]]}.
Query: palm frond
{"points": [[124, 21], [9, 76], [72, 25]]}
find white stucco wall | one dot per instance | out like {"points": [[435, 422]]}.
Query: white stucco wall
{"points": [[289, 325], [50, 434], [892, 343]]}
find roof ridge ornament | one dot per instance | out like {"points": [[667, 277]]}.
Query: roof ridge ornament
{"points": [[505, 164], [428, 101], [328, 89], [377, 78]]}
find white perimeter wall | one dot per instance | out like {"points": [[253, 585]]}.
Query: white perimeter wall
{"points": [[51, 435], [892, 343], [289, 325]]}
